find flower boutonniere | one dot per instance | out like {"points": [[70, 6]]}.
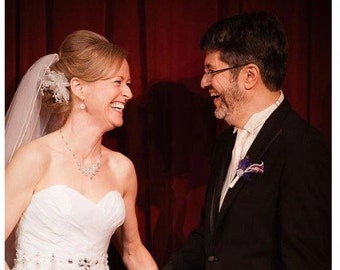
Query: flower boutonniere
{"points": [[245, 169]]}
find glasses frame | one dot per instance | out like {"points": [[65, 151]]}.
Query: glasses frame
{"points": [[211, 73]]}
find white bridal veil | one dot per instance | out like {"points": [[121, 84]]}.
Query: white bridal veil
{"points": [[25, 120]]}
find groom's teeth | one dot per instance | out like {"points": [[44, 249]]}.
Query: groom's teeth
{"points": [[214, 95], [117, 105]]}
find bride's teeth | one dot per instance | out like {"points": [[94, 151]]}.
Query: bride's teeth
{"points": [[117, 105]]}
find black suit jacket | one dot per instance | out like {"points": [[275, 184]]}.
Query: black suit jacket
{"points": [[280, 219]]}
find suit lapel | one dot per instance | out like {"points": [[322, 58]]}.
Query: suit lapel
{"points": [[224, 153], [270, 131]]}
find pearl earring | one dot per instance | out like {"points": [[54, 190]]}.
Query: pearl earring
{"points": [[82, 105]]}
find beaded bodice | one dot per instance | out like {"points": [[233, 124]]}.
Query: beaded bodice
{"points": [[62, 229]]}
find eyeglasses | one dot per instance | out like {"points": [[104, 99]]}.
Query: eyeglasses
{"points": [[211, 73]]}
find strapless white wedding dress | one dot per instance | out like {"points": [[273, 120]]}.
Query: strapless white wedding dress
{"points": [[63, 230]]}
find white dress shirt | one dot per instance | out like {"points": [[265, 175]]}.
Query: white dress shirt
{"points": [[244, 139]]}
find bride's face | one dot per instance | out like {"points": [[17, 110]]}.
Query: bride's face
{"points": [[106, 99]]}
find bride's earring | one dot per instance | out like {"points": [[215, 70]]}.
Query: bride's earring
{"points": [[82, 105]]}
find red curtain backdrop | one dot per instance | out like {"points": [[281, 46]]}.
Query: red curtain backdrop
{"points": [[169, 126]]}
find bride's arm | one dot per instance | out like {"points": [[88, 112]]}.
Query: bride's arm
{"points": [[134, 253], [21, 177]]}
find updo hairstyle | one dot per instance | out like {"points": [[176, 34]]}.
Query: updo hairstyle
{"points": [[87, 56]]}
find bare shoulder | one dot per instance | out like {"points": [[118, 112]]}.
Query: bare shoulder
{"points": [[118, 160], [28, 165], [33, 152], [121, 168], [33, 157]]}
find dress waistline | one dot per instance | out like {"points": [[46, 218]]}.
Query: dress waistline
{"points": [[39, 261]]}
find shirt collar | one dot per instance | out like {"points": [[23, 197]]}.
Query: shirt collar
{"points": [[258, 119]]}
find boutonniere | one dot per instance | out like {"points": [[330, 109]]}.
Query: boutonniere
{"points": [[245, 169]]}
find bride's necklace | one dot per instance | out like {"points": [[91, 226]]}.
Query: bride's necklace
{"points": [[85, 170]]}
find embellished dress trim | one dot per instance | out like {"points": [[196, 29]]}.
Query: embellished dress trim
{"points": [[39, 262]]}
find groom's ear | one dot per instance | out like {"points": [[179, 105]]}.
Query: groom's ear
{"points": [[251, 75]]}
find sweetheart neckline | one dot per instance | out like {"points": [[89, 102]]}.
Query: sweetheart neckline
{"points": [[77, 192]]}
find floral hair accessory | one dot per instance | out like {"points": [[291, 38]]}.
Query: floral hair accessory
{"points": [[245, 169], [57, 83]]}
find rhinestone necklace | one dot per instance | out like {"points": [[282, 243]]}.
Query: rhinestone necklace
{"points": [[85, 170]]}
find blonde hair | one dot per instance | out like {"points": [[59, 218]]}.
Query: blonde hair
{"points": [[87, 56]]}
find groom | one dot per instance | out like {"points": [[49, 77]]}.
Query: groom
{"points": [[267, 203]]}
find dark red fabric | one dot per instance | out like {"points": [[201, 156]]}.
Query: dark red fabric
{"points": [[169, 126]]}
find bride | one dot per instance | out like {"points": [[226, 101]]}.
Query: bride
{"points": [[66, 193]]}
